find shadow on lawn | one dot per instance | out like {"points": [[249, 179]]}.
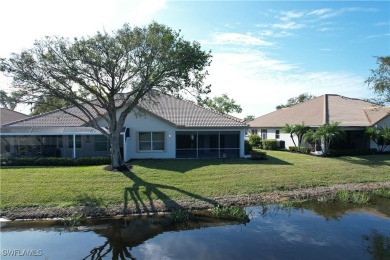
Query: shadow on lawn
{"points": [[367, 160], [186, 165], [149, 189]]}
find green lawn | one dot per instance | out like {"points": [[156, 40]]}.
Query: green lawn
{"points": [[183, 179]]}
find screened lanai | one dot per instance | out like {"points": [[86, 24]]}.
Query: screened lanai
{"points": [[71, 142], [207, 144]]}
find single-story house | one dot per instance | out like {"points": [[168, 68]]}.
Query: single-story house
{"points": [[353, 116], [166, 128], [8, 116]]}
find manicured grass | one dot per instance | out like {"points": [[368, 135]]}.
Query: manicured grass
{"points": [[152, 180]]}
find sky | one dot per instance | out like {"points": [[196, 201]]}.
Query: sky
{"points": [[264, 52]]}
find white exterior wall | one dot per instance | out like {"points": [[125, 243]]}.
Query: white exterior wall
{"points": [[271, 134], [149, 123]]}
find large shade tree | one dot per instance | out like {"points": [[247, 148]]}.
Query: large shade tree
{"points": [[107, 75], [379, 80], [296, 100], [222, 104]]}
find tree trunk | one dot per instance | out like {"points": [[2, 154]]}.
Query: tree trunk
{"points": [[116, 158]]}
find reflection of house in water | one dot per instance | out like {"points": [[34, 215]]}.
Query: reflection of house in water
{"points": [[381, 208]]}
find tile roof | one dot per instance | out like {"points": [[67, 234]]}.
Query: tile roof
{"points": [[8, 116], [325, 109], [175, 111]]}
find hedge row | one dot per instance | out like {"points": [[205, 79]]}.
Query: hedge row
{"points": [[299, 149], [53, 161]]}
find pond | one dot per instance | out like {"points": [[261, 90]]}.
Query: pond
{"points": [[308, 231]]}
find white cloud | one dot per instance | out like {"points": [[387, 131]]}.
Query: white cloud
{"points": [[287, 16], [26, 21], [289, 25], [236, 39], [259, 83]]}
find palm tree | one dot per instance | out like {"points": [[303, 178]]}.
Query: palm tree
{"points": [[289, 129], [327, 133], [380, 135], [298, 129]]}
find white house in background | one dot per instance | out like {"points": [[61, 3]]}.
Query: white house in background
{"points": [[353, 115], [165, 128]]}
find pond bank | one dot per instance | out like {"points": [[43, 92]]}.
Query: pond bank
{"points": [[166, 206]]}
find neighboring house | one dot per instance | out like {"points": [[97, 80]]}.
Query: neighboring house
{"points": [[353, 115], [8, 116], [165, 128]]}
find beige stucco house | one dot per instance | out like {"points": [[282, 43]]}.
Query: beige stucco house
{"points": [[353, 115]]}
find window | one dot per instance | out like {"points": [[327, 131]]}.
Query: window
{"points": [[78, 141], [254, 131], [151, 141], [277, 134], [264, 134], [101, 143]]}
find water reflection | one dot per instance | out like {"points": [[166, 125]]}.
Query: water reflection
{"points": [[377, 244], [305, 231]]}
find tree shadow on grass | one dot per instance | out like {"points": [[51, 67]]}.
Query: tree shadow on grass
{"points": [[186, 165], [151, 190], [367, 160]]}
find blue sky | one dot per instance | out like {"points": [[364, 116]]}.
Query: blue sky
{"points": [[264, 52]]}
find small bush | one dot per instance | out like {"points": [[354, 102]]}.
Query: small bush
{"points": [[255, 140], [230, 212], [74, 221], [182, 215], [270, 144], [248, 147], [256, 155], [353, 197], [299, 149]]}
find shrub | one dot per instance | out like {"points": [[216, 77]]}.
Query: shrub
{"points": [[270, 144], [353, 197], [229, 212], [299, 149], [54, 161], [247, 146], [255, 140], [182, 215], [256, 155]]}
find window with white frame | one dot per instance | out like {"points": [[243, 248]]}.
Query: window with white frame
{"points": [[151, 141], [254, 131], [277, 134]]}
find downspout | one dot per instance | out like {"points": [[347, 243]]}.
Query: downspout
{"points": [[74, 146], [325, 120], [124, 146]]}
